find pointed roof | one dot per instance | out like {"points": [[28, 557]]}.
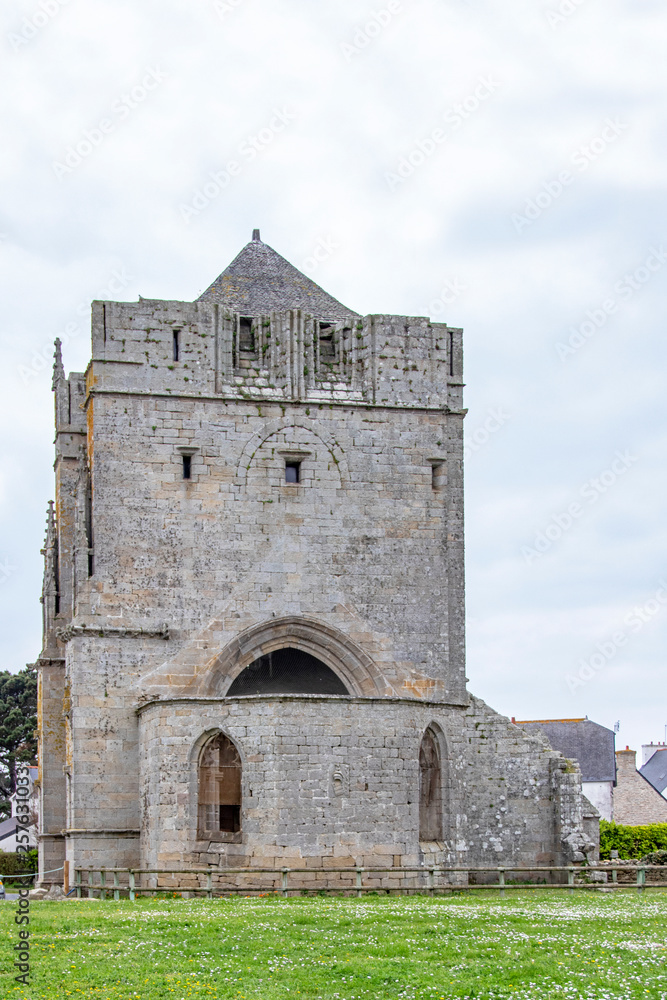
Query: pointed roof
{"points": [[655, 770], [259, 281]]}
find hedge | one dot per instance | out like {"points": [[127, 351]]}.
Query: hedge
{"points": [[631, 842], [17, 864]]}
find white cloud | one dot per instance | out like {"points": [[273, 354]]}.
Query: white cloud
{"points": [[453, 217]]}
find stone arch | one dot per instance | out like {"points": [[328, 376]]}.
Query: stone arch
{"points": [[433, 785], [286, 424], [336, 650]]}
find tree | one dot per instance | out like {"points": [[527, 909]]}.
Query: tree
{"points": [[18, 725]]}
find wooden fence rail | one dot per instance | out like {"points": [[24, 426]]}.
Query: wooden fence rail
{"points": [[431, 879]]}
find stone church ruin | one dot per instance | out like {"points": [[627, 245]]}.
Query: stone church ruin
{"points": [[254, 598]]}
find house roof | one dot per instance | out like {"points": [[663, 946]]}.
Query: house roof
{"points": [[590, 744], [259, 281], [655, 770], [8, 828]]}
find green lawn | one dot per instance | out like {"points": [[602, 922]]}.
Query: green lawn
{"points": [[541, 945]]}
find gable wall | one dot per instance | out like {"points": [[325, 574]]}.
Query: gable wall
{"points": [[636, 802]]}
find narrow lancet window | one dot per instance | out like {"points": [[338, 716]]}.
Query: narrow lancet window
{"points": [[187, 466], [89, 529], [56, 577], [219, 807], [430, 789], [176, 344]]}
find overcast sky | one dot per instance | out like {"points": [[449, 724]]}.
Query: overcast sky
{"points": [[497, 165]]}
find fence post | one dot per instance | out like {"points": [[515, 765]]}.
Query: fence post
{"points": [[641, 878], [77, 880], [209, 884], [570, 878], [90, 884], [284, 884], [116, 886], [103, 882], [501, 880], [359, 871], [131, 885], [431, 880]]}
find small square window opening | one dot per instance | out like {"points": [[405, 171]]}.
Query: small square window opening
{"points": [[292, 472], [187, 466]]}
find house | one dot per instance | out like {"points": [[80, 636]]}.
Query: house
{"points": [[654, 766], [592, 746], [636, 800], [8, 841], [8, 827]]}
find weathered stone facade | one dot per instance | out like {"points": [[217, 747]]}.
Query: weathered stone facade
{"points": [[264, 470]]}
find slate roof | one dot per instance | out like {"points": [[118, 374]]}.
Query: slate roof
{"points": [[259, 281], [8, 828], [587, 742], [655, 770]]}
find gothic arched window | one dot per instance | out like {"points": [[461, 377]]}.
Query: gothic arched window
{"points": [[219, 807], [430, 788]]}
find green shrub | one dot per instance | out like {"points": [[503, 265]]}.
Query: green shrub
{"points": [[631, 842], [17, 864]]}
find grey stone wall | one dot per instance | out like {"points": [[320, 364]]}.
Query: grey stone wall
{"points": [[396, 360], [496, 783], [362, 535], [52, 762]]}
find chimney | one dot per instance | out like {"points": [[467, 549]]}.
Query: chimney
{"points": [[626, 760]]}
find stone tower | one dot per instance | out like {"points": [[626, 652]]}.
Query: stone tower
{"points": [[254, 597]]}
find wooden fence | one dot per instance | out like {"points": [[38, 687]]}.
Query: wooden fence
{"points": [[420, 879]]}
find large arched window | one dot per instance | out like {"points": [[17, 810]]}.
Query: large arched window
{"points": [[219, 809], [287, 671], [430, 788]]}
